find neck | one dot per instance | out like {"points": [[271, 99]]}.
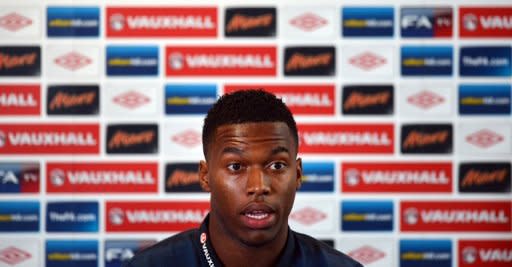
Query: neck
{"points": [[234, 252]]}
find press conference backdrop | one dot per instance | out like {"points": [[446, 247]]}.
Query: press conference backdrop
{"points": [[403, 110]]}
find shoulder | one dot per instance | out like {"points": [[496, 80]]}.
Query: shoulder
{"points": [[179, 249], [313, 249]]}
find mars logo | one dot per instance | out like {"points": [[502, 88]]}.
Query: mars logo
{"points": [[367, 254], [73, 61], [426, 22], [485, 177], [426, 138], [250, 22], [73, 100], [485, 22], [13, 255], [309, 61], [308, 22], [20, 60], [132, 138], [14, 22], [182, 177], [367, 99], [142, 21], [308, 216]]}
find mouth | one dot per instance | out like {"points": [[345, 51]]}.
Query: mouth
{"points": [[258, 216]]}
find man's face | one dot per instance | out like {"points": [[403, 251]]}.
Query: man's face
{"points": [[252, 174]]}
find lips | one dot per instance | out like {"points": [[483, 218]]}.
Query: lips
{"points": [[258, 216]]}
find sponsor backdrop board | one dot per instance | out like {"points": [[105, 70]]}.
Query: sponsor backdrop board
{"points": [[403, 109]]}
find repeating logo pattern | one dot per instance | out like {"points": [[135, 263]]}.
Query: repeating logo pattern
{"points": [[399, 102]]}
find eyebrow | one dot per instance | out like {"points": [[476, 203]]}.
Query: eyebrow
{"points": [[232, 150], [235, 150], [279, 149]]}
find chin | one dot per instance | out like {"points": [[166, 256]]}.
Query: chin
{"points": [[257, 238]]}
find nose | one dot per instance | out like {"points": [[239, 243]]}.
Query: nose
{"points": [[257, 182]]}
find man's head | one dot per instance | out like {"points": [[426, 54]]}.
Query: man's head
{"points": [[246, 106], [251, 168]]}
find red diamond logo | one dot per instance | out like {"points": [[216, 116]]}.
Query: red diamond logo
{"points": [[367, 254], [131, 100], [13, 255], [308, 22], [425, 99], [484, 138], [308, 216], [188, 138], [73, 61], [14, 22], [367, 61]]}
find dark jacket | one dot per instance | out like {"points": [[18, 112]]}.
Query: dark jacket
{"points": [[192, 248]]}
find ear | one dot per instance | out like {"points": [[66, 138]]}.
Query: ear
{"points": [[299, 173], [203, 176]]}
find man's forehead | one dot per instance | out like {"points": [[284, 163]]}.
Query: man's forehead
{"points": [[253, 129]]}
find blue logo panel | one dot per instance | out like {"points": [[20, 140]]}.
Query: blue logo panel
{"points": [[485, 99], [132, 60], [367, 21], [317, 177], [73, 21], [426, 22], [367, 216], [117, 252], [19, 216], [189, 99], [426, 61], [485, 61], [19, 177], [76, 253], [425, 253], [72, 217]]}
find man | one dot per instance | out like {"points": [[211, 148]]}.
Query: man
{"points": [[252, 172]]}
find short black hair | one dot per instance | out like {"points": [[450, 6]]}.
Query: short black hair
{"points": [[251, 105]]}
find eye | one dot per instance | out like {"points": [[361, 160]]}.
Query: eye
{"points": [[234, 167], [277, 166]]}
